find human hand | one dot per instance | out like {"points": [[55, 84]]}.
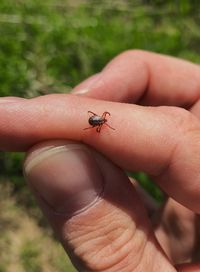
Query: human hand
{"points": [[89, 201]]}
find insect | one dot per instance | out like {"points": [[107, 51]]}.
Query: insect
{"points": [[98, 121]]}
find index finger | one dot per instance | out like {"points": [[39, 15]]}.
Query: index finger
{"points": [[161, 141], [146, 78]]}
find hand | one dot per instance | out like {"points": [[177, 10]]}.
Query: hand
{"points": [[98, 215]]}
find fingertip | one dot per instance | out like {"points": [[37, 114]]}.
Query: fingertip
{"points": [[64, 177], [85, 86]]}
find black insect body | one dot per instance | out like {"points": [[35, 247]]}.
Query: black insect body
{"points": [[98, 121]]}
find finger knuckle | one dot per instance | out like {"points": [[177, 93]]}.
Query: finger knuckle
{"points": [[182, 120]]}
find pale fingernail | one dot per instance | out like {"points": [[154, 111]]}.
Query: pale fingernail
{"points": [[88, 84], [67, 178], [82, 91]]}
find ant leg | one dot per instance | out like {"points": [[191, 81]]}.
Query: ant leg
{"points": [[109, 126], [92, 113]]}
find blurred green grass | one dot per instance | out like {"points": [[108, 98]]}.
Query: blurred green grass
{"points": [[50, 46]]}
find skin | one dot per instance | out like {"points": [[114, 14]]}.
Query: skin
{"points": [[155, 109]]}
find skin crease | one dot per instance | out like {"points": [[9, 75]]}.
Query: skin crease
{"points": [[172, 146]]}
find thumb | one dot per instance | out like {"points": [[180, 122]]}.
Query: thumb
{"points": [[93, 209]]}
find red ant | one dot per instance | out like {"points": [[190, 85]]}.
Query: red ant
{"points": [[98, 121]]}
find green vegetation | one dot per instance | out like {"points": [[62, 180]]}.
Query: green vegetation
{"points": [[24, 245], [30, 256], [50, 46]]}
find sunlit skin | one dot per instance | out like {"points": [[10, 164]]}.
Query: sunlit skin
{"points": [[154, 102]]}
